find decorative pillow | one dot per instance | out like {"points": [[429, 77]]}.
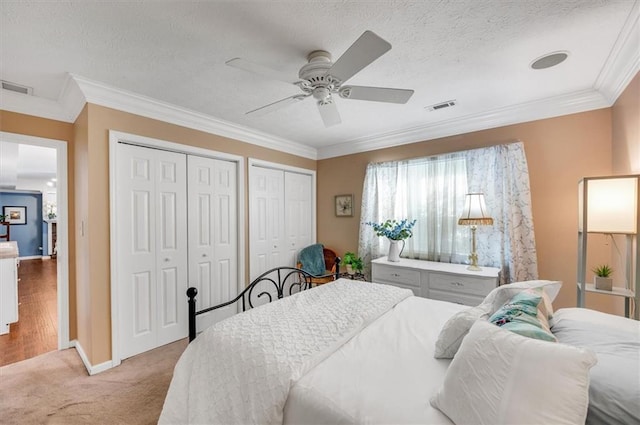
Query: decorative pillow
{"points": [[525, 314], [455, 329], [499, 377], [504, 293]]}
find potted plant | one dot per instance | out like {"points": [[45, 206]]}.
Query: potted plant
{"points": [[353, 262], [3, 218], [602, 278]]}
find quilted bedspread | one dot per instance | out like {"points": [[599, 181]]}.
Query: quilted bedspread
{"points": [[241, 369]]}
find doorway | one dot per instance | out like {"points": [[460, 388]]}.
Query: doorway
{"points": [[38, 169]]}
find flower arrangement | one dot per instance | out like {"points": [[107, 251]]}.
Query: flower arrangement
{"points": [[393, 229]]}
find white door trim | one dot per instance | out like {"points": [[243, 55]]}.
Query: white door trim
{"points": [[62, 200], [115, 137]]}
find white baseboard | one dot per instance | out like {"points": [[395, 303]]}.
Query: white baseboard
{"points": [[87, 364], [30, 257]]}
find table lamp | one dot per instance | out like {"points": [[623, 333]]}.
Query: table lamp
{"points": [[474, 215]]}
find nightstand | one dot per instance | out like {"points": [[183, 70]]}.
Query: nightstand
{"points": [[439, 281]]}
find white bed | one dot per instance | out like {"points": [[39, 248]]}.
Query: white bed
{"points": [[381, 369], [386, 374]]}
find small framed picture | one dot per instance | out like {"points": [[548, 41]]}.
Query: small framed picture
{"points": [[15, 215], [344, 205]]}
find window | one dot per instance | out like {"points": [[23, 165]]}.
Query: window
{"points": [[432, 191]]}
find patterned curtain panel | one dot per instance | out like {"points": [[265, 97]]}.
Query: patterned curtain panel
{"points": [[501, 173], [432, 190]]}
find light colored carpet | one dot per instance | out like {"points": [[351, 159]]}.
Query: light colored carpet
{"points": [[54, 388]]}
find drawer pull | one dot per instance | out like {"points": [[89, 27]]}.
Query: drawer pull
{"points": [[395, 275], [457, 284]]}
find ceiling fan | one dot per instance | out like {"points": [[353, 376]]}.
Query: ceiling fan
{"points": [[322, 78]]}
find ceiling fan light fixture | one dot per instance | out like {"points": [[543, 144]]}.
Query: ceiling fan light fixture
{"points": [[549, 60]]}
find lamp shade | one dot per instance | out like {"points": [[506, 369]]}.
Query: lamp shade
{"points": [[611, 204], [475, 211]]}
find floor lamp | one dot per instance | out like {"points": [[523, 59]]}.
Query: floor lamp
{"points": [[474, 215]]}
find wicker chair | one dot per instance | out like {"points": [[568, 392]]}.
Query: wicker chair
{"points": [[330, 265]]}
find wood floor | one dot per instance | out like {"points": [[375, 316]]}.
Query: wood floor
{"points": [[36, 331]]}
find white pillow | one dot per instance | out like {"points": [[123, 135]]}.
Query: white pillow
{"points": [[456, 328], [500, 377], [458, 325]]}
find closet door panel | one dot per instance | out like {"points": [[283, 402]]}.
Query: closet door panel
{"points": [[136, 238], [213, 246], [266, 222], [298, 204], [152, 247], [171, 258]]}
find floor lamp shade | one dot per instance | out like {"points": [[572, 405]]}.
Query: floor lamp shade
{"points": [[612, 204]]}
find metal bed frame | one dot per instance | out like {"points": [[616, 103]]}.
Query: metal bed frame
{"points": [[279, 277]]}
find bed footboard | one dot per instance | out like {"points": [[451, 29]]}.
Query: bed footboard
{"points": [[274, 284]]}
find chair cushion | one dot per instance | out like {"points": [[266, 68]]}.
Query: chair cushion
{"points": [[312, 259]]}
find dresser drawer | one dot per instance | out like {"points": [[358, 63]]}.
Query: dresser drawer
{"points": [[461, 284], [452, 297], [392, 274], [417, 291]]}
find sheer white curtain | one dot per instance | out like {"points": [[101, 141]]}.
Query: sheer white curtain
{"points": [[432, 190]]}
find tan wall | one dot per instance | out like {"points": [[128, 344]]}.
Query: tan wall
{"points": [[626, 130], [559, 152], [626, 147], [12, 122], [100, 121], [81, 190]]}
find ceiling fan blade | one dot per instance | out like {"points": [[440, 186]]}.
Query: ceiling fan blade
{"points": [[329, 113], [361, 53], [376, 94], [276, 105], [261, 70]]}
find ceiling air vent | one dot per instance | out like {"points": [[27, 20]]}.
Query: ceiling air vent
{"points": [[440, 105], [6, 85]]}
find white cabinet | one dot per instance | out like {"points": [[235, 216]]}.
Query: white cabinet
{"points": [[8, 285], [439, 281]]}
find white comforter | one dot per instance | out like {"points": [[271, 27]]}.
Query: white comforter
{"points": [[241, 369]]}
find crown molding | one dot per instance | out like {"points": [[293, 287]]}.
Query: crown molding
{"points": [[71, 98], [32, 105], [123, 100], [624, 61], [582, 101]]}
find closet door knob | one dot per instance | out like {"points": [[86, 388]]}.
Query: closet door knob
{"points": [[166, 260]]}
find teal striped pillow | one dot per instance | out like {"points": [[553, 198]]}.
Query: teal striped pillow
{"points": [[522, 315]]}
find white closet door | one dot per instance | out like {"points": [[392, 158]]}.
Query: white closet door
{"points": [[213, 238], [152, 247], [266, 222], [298, 204]]}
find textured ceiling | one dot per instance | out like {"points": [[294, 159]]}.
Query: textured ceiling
{"points": [[476, 52]]}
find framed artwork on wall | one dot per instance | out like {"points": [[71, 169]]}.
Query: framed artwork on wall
{"points": [[15, 215], [344, 205]]}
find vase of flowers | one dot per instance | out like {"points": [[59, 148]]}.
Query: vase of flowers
{"points": [[396, 232]]}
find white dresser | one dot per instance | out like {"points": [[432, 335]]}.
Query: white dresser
{"points": [[8, 285], [439, 281]]}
